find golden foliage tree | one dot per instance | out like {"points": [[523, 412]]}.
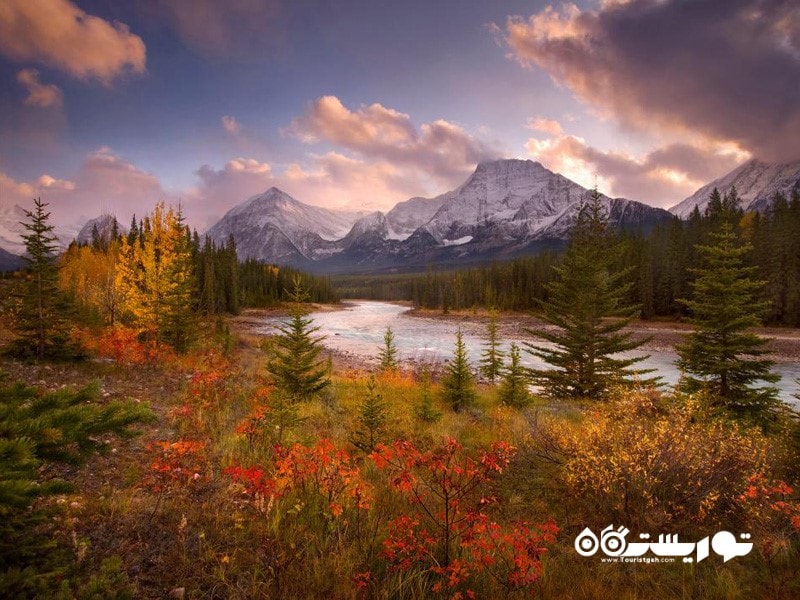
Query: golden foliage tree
{"points": [[90, 276], [155, 277]]}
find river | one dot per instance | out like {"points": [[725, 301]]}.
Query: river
{"points": [[359, 328]]}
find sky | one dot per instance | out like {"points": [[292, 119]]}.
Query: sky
{"points": [[110, 107]]}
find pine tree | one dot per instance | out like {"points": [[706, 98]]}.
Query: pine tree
{"points": [[721, 356], [425, 410], [373, 413], [587, 306], [294, 363], [38, 430], [41, 321], [388, 353], [514, 385], [458, 385], [179, 274], [491, 363], [133, 232]]}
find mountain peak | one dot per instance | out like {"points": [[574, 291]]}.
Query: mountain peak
{"points": [[104, 224], [508, 164]]}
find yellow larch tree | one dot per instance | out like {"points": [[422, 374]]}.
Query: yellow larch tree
{"points": [[156, 277]]}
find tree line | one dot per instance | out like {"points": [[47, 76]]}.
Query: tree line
{"points": [[660, 267], [158, 278]]}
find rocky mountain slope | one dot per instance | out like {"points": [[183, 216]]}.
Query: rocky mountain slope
{"points": [[756, 185], [105, 225], [275, 227]]}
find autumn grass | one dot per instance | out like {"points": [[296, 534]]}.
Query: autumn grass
{"points": [[207, 535]]}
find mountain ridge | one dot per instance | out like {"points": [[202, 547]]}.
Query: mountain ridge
{"points": [[756, 184], [504, 208]]}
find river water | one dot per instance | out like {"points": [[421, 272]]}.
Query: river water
{"points": [[358, 329]]}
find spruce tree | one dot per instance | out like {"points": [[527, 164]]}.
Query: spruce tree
{"points": [[721, 356], [180, 283], [425, 410], [388, 353], [458, 385], [491, 363], [373, 413], [514, 385], [42, 318], [37, 431], [294, 363], [588, 310]]}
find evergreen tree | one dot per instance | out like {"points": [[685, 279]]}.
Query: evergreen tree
{"points": [[133, 232], [425, 410], [491, 363], [294, 363], [41, 320], [231, 270], [721, 356], [587, 306], [458, 385], [514, 385], [371, 421], [179, 274], [388, 353], [38, 430]]}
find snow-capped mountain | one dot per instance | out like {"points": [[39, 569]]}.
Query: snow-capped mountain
{"points": [[11, 229], [518, 193], [105, 229], [275, 227], [408, 216], [756, 185], [505, 208]]}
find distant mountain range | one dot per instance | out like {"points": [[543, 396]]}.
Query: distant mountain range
{"points": [[504, 209]]}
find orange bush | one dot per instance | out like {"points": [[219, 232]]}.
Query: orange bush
{"points": [[654, 465]]}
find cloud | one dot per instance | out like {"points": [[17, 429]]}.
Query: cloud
{"points": [[346, 182], [216, 28], [39, 94], [59, 34], [104, 183], [332, 180], [545, 125], [441, 150], [725, 69], [231, 125], [662, 177]]}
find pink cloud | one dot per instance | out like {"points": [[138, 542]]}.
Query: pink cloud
{"points": [[104, 183], [231, 125], [332, 180], [39, 94], [662, 177], [439, 150], [59, 34], [545, 125], [726, 70]]}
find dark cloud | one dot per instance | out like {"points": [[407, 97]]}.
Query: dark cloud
{"points": [[215, 28], [726, 69]]}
